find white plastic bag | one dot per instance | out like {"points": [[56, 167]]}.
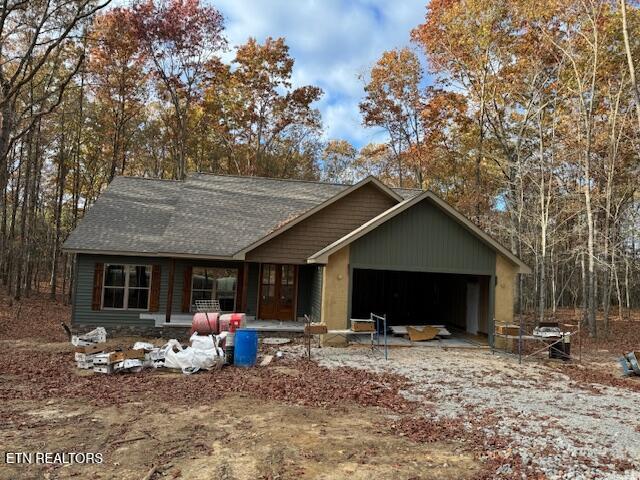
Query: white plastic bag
{"points": [[203, 354]]}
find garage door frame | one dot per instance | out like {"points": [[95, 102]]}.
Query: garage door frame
{"points": [[492, 285]]}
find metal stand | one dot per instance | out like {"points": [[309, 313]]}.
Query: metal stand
{"points": [[548, 341], [307, 335], [380, 320]]}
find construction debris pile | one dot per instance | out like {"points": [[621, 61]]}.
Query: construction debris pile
{"points": [[91, 353]]}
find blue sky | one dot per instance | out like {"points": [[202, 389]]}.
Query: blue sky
{"points": [[333, 42]]}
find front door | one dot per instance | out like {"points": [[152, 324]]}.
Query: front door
{"points": [[277, 292]]}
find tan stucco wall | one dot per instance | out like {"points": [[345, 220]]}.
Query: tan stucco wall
{"points": [[335, 295], [506, 275]]}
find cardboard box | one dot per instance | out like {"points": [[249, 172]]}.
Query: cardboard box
{"points": [[362, 325], [84, 364], [90, 349], [103, 368], [315, 329], [108, 358], [507, 329], [132, 363], [116, 357], [134, 354]]}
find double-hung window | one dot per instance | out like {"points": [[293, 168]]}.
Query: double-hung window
{"points": [[126, 287]]}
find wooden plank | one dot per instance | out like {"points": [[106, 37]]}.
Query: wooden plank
{"points": [[403, 330], [427, 333]]}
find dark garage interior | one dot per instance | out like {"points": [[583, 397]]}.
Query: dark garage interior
{"points": [[422, 298]]}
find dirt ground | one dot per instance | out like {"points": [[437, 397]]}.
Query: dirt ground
{"points": [[426, 413], [228, 436], [236, 437]]}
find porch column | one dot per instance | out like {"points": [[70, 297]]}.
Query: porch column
{"points": [[172, 274], [245, 284]]}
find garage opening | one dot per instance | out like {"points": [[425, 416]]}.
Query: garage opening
{"points": [[460, 302]]}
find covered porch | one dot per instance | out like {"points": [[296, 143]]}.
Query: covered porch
{"points": [[274, 297]]}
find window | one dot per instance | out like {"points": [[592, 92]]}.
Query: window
{"points": [[268, 282], [208, 283], [126, 287], [287, 285]]}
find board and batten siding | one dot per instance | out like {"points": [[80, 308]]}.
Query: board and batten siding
{"points": [[423, 238], [316, 293], [303, 298], [82, 314], [323, 227], [309, 291]]}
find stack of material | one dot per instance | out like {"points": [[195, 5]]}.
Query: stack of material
{"points": [[98, 335], [204, 353], [153, 356], [362, 325], [315, 328], [511, 330], [88, 346], [91, 354], [84, 355], [130, 360]]}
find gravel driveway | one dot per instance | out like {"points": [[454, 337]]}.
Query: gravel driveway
{"points": [[565, 430]]}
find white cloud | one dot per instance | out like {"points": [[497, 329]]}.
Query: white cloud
{"points": [[332, 42]]}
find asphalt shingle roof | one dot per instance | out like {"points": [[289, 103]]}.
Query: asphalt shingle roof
{"points": [[219, 215], [131, 215], [212, 215]]}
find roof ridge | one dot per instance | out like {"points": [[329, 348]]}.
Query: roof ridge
{"points": [[138, 177], [318, 182]]}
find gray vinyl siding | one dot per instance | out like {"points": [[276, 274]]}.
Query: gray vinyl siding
{"points": [[82, 312], [316, 293], [423, 238]]}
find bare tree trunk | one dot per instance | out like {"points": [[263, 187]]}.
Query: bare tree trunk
{"points": [[23, 218], [58, 210]]}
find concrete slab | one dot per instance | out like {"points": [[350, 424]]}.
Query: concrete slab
{"points": [[276, 326], [452, 342]]}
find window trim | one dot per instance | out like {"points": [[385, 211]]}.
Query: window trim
{"points": [[125, 299]]}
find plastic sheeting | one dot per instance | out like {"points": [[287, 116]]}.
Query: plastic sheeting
{"points": [[203, 354]]}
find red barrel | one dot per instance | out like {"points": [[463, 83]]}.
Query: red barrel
{"points": [[205, 323]]}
